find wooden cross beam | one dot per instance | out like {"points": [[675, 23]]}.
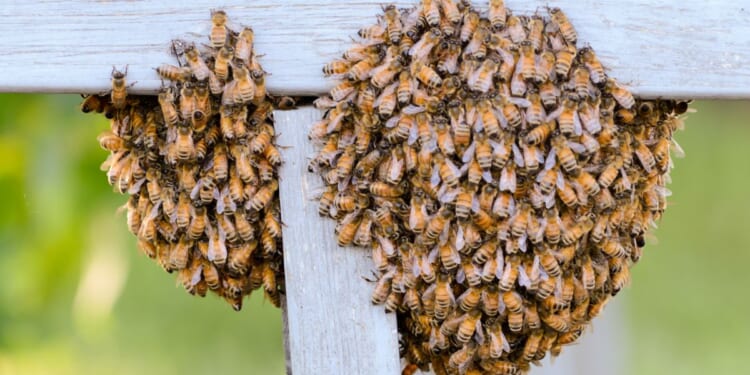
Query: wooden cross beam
{"points": [[670, 48], [676, 48]]}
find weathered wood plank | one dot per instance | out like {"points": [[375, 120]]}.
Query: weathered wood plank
{"points": [[332, 327], [676, 48]]}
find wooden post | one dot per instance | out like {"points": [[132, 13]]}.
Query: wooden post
{"points": [[332, 328]]}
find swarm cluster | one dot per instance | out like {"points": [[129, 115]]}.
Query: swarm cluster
{"points": [[200, 166], [502, 180]]}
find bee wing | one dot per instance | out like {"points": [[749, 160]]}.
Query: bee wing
{"points": [[444, 235], [435, 177], [500, 259], [474, 204], [577, 129], [517, 155], [460, 240], [448, 196], [677, 149], [412, 109], [469, 152], [413, 216], [478, 124], [479, 333], [625, 179], [554, 114], [392, 122], [523, 277], [324, 102], [521, 102], [517, 84], [549, 200], [135, 187], [413, 133], [577, 147], [522, 244], [343, 184], [507, 180], [487, 176], [460, 275]]}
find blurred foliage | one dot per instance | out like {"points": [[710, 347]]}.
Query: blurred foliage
{"points": [[77, 297]]}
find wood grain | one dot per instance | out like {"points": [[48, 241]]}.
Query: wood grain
{"points": [[674, 48], [332, 326]]}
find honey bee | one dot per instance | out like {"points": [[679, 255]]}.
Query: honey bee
{"points": [[644, 156], [549, 263], [588, 183], [515, 29], [437, 223], [174, 73], [566, 28], [581, 79], [168, 108], [469, 26], [444, 138], [593, 64], [612, 249], [448, 171], [119, 88], [198, 223], [245, 87], [221, 63], [481, 79], [383, 75], [218, 34], [510, 274], [444, 299], [621, 94], [393, 23], [468, 326], [531, 347], [110, 141], [535, 112], [564, 60], [425, 74], [179, 254], [363, 235], [565, 156], [431, 12], [386, 101], [243, 48], [620, 279], [197, 65], [184, 144], [497, 14], [577, 230], [422, 48], [549, 94], [361, 70], [264, 195], [187, 101]]}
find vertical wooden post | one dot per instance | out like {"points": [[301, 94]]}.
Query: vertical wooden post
{"points": [[331, 326]]}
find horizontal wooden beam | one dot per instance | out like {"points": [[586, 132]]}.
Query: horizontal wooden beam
{"points": [[332, 328], [674, 48]]}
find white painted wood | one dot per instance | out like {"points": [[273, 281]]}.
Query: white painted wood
{"points": [[675, 48], [332, 327]]}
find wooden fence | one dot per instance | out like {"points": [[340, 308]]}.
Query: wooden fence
{"points": [[670, 48]]}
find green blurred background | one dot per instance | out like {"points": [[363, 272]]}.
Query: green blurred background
{"points": [[76, 297]]}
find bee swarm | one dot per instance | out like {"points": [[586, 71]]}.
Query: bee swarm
{"points": [[200, 166], [502, 180]]}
